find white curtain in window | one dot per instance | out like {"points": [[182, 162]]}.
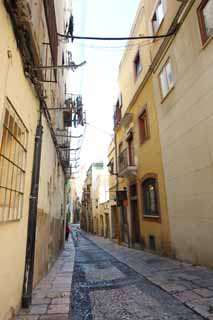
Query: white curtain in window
{"points": [[208, 17], [163, 81], [169, 75]]}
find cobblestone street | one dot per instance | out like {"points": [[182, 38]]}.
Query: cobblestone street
{"points": [[101, 280]]}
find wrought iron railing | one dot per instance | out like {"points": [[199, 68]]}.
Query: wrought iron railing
{"points": [[124, 160]]}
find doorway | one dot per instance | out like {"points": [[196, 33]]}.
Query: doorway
{"points": [[135, 214]]}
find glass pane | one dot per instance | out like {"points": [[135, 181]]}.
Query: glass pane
{"points": [[169, 75], [152, 198], [160, 13], [163, 81], [138, 68], [208, 17]]}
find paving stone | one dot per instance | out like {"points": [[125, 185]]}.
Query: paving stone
{"points": [[39, 300], [58, 308], [35, 310], [61, 301], [186, 296], [27, 317], [172, 287], [204, 292], [54, 317]]}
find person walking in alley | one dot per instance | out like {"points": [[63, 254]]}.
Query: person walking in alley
{"points": [[67, 232]]}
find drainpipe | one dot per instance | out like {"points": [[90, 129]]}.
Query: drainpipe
{"points": [[32, 220]]}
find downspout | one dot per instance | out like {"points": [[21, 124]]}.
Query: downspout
{"points": [[32, 220]]}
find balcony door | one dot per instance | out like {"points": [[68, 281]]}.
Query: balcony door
{"points": [[130, 144]]}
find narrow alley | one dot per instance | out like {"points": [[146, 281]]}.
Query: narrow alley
{"points": [[106, 160], [96, 279]]}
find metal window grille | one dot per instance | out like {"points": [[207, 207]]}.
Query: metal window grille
{"points": [[13, 152]]}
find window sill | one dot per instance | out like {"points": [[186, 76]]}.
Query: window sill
{"points": [[205, 44], [152, 218], [145, 141], [137, 76], [168, 93]]}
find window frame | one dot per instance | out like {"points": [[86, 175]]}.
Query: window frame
{"points": [[202, 26], [170, 88], [143, 113], [14, 161], [137, 57], [130, 147], [149, 217], [164, 5]]}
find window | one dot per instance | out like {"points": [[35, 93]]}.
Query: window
{"points": [[150, 197], [143, 126], [13, 149], [158, 15], [117, 113], [120, 147], [205, 16], [166, 79], [130, 143], [137, 64]]}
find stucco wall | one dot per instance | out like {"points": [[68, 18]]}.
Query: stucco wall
{"points": [[51, 207], [186, 131], [14, 85], [49, 238]]}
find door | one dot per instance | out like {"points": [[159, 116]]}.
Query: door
{"points": [[115, 225], [135, 221], [124, 225]]}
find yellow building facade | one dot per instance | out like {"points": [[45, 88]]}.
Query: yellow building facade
{"points": [[144, 220]]}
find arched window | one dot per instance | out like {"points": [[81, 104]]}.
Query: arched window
{"points": [[150, 198]]}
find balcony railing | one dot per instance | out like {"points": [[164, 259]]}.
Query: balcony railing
{"points": [[126, 165]]}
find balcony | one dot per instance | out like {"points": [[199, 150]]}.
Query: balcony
{"points": [[127, 167]]}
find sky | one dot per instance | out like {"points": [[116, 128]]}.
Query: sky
{"points": [[97, 80]]}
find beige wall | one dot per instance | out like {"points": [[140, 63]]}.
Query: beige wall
{"points": [[14, 85], [186, 131], [51, 208]]}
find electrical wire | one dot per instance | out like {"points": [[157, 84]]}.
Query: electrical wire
{"points": [[171, 33]]}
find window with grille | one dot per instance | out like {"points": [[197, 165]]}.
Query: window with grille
{"points": [[13, 151]]}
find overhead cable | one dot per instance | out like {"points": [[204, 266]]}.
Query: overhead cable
{"points": [[119, 38]]}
